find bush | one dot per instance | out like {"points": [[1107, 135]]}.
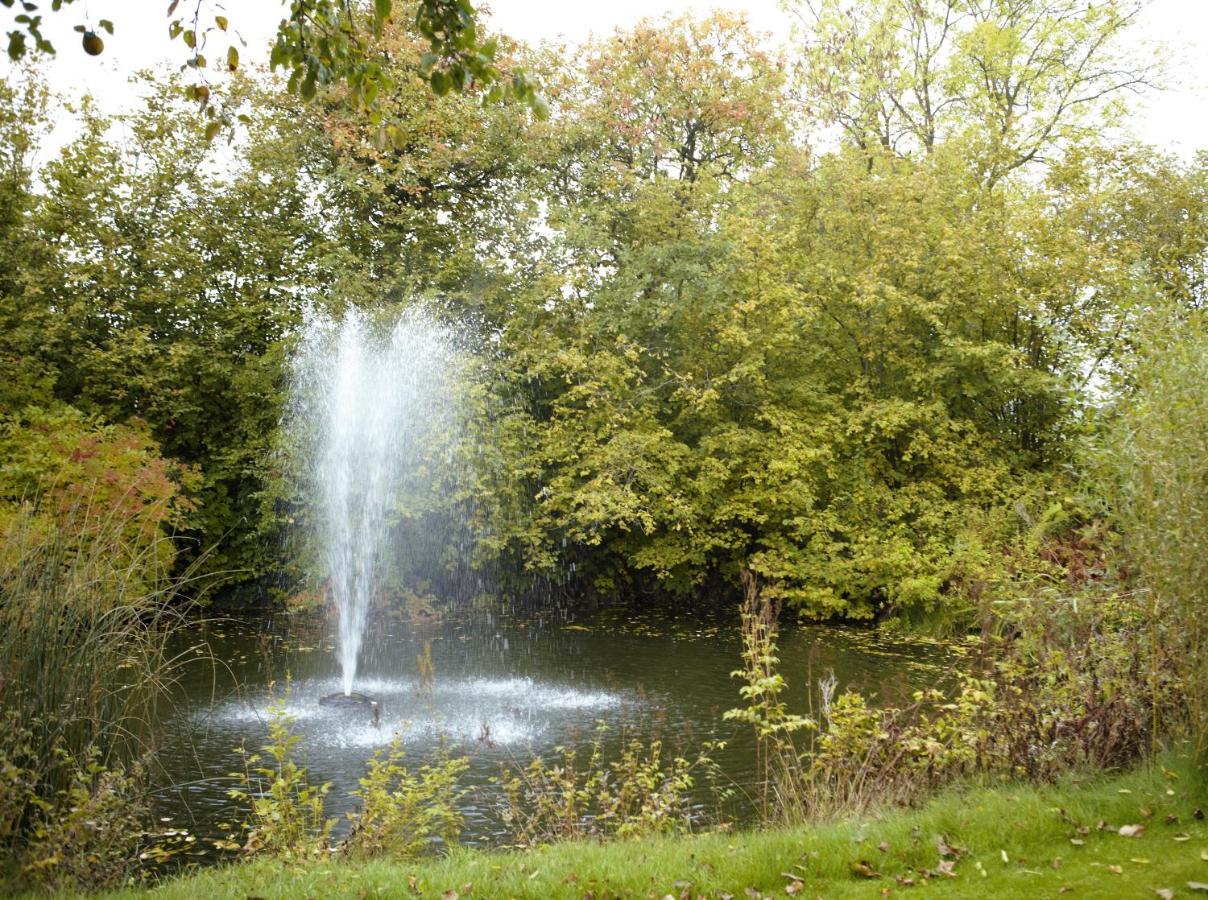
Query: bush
{"points": [[91, 836], [403, 812], [286, 811], [90, 488], [1065, 682], [639, 793], [1155, 464]]}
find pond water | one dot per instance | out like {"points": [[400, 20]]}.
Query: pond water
{"points": [[501, 690]]}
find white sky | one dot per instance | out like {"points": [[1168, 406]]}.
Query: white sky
{"points": [[1176, 118]]}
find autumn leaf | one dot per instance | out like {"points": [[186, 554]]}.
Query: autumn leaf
{"points": [[864, 869]]}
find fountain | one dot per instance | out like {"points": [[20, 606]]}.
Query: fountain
{"points": [[366, 402]]}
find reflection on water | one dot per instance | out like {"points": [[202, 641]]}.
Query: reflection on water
{"points": [[499, 693]]}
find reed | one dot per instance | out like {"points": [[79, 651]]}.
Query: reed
{"points": [[85, 664]]}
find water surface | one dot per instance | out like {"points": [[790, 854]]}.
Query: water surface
{"points": [[501, 691]]}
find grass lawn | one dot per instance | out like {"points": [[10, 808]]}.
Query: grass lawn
{"points": [[1005, 841]]}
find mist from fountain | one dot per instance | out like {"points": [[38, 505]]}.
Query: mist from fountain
{"points": [[367, 401]]}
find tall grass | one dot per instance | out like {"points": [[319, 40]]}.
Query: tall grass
{"points": [[84, 659]]}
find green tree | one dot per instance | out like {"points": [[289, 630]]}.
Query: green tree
{"points": [[1012, 81], [320, 43]]}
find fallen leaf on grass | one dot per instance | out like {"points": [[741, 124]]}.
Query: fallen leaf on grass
{"points": [[883, 846], [1164, 893], [450, 895], [1056, 863], [1132, 830], [1077, 842], [794, 887], [864, 869], [1197, 886], [1116, 870], [946, 867], [1182, 836], [946, 847]]}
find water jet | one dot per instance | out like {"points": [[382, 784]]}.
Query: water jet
{"points": [[368, 401]]}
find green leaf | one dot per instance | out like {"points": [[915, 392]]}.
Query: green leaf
{"points": [[16, 45], [232, 58], [222, 22]]}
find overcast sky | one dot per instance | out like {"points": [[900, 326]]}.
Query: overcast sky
{"points": [[1176, 118]]}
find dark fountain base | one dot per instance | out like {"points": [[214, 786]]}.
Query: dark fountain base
{"points": [[355, 700]]}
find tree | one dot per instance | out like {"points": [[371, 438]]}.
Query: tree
{"points": [[1013, 80], [322, 44]]}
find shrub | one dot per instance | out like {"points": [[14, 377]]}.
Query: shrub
{"points": [[1155, 463], [640, 793], [1065, 682], [92, 834], [403, 812], [286, 811], [90, 488]]}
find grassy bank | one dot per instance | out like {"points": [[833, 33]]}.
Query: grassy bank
{"points": [[1000, 841]]}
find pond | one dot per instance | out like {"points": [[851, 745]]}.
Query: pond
{"points": [[501, 690]]}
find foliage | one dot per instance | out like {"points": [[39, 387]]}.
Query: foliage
{"points": [[708, 341], [1007, 83], [765, 710], [1155, 467], [105, 486], [286, 812], [85, 669], [639, 793], [403, 812], [1069, 682], [322, 43], [91, 835], [1052, 836]]}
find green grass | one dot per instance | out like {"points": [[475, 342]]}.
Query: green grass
{"points": [[985, 822]]}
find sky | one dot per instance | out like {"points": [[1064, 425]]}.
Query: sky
{"points": [[1175, 118]]}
